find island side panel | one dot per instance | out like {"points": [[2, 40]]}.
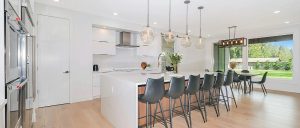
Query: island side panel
{"points": [[119, 102]]}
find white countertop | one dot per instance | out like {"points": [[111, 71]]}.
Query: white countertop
{"points": [[140, 78]]}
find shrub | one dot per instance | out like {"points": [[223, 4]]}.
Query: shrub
{"points": [[267, 65], [257, 65], [276, 65], [287, 66]]}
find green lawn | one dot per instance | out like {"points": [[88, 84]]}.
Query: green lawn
{"points": [[276, 73]]}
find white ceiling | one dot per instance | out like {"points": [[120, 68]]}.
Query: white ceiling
{"points": [[217, 14]]}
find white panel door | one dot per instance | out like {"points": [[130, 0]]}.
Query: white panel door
{"points": [[53, 78]]}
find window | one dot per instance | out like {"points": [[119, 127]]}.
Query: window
{"points": [[236, 56], [272, 54]]}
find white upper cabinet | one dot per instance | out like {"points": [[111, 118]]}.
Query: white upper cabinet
{"points": [[104, 41], [153, 49]]}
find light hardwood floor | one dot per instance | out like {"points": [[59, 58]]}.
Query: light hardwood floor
{"points": [[276, 110]]}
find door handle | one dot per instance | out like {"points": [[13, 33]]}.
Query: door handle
{"points": [[66, 72]]}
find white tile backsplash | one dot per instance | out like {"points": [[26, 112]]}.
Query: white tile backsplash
{"points": [[125, 58]]}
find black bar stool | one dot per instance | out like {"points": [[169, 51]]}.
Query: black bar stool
{"points": [[192, 89], [228, 82], [217, 88], [176, 90], [206, 87], [154, 92]]}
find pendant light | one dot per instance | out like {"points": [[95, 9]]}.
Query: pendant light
{"points": [[233, 41], [199, 44], [186, 40], [169, 36], [147, 35]]}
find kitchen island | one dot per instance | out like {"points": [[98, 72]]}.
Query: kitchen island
{"points": [[119, 96]]}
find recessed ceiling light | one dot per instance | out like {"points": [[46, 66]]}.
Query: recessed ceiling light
{"points": [[287, 22], [115, 14], [190, 31], [154, 23], [56, 0], [276, 12], [208, 35]]}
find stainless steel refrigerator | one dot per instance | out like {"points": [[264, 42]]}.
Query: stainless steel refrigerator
{"points": [[19, 58]]}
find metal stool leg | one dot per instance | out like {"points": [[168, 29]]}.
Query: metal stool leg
{"points": [[156, 106], [227, 98], [225, 102], [171, 112], [189, 107], [163, 115], [199, 106], [184, 113], [204, 106], [147, 115], [150, 114], [233, 97]]}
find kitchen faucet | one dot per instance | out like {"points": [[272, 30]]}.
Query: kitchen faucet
{"points": [[161, 63]]}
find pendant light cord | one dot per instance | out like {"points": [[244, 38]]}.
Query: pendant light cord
{"points": [[234, 32], [229, 33], [200, 23], [148, 13], [186, 20], [169, 15]]}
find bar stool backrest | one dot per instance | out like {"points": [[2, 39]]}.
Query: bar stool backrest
{"points": [[177, 86], [154, 90], [208, 81], [194, 84], [264, 78], [229, 78], [220, 80]]}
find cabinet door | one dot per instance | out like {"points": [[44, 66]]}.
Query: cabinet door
{"points": [[104, 35], [104, 41], [105, 48], [96, 85]]}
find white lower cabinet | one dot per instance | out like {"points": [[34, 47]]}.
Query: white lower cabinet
{"points": [[96, 85]]}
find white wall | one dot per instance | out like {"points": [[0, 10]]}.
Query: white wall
{"points": [[2, 84], [81, 53], [193, 59], [272, 83]]}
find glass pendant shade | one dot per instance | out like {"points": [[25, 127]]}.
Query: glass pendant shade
{"points": [[169, 37], [147, 35], [186, 41], [199, 44]]}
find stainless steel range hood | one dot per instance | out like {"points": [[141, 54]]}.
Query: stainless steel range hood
{"points": [[125, 40]]}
